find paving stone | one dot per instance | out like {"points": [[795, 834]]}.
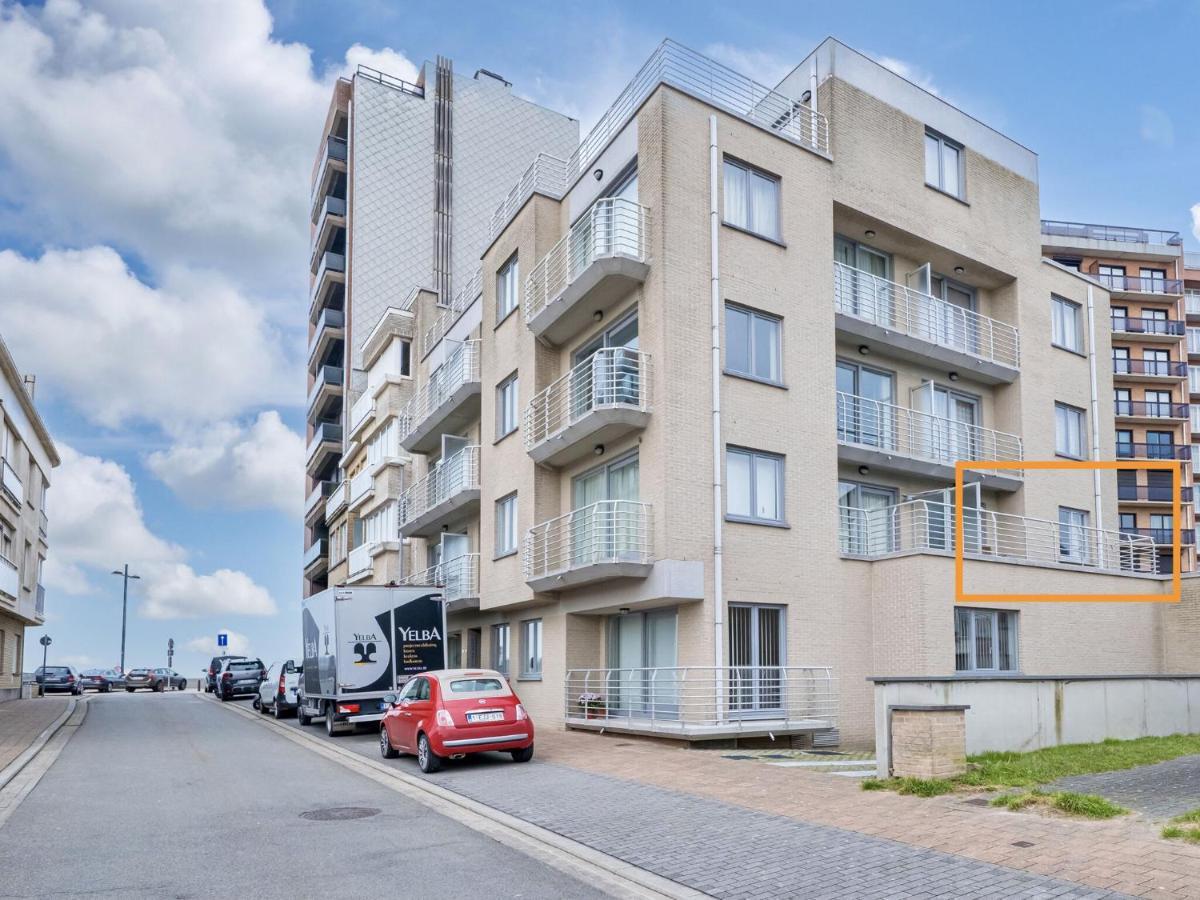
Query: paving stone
{"points": [[1159, 791]]}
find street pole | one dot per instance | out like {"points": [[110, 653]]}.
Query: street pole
{"points": [[124, 608], [45, 642]]}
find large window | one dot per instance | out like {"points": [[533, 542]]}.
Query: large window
{"points": [[753, 340], [944, 167], [500, 648], [506, 525], [754, 486], [985, 640], [1068, 431], [531, 648], [751, 200], [1074, 544], [506, 406], [507, 288], [1066, 324]]}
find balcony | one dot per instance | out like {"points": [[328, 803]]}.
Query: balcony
{"points": [[1149, 410], [450, 492], [922, 328], [362, 488], [361, 413], [447, 402], [466, 295], [314, 504], [1149, 369], [591, 269], [1151, 494], [703, 702], [1102, 235], [1163, 537], [360, 562], [608, 539], [8, 578], [600, 400], [333, 160], [546, 175], [331, 215], [337, 500], [330, 329], [316, 560], [1170, 330], [1135, 284], [327, 387], [924, 526], [1138, 450], [330, 270], [458, 578], [324, 447], [10, 483]]}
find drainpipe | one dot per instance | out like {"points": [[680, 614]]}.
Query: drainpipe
{"points": [[1095, 407], [718, 518]]}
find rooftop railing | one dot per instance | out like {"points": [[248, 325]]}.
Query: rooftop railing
{"points": [[1110, 233], [1140, 284], [458, 578], [921, 526], [615, 377], [609, 531], [545, 175], [457, 473], [450, 314], [899, 308], [1191, 259], [461, 367], [1160, 368], [390, 81]]}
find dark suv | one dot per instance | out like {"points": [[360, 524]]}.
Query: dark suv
{"points": [[240, 676], [58, 678], [214, 671]]}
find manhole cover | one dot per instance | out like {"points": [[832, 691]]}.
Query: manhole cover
{"points": [[339, 813], [1023, 844]]}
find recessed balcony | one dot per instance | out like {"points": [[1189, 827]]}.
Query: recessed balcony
{"points": [[597, 542], [8, 578], [591, 269], [602, 399], [1151, 494], [458, 578], [337, 500], [362, 488], [331, 216], [1163, 537], [324, 446], [334, 156], [330, 270], [1149, 369], [893, 438], [1140, 285], [1150, 411], [10, 483], [1145, 329], [316, 558], [314, 504], [1112, 241], [449, 493], [325, 395], [923, 328], [1140, 450], [446, 403], [325, 343]]}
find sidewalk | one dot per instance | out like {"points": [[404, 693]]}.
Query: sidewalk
{"points": [[21, 721]]}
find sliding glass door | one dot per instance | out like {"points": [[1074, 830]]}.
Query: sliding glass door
{"points": [[642, 679]]}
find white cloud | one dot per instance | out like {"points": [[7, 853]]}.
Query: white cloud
{"points": [[177, 592], [1157, 127], [239, 644], [914, 73], [763, 66], [386, 60], [259, 466]]}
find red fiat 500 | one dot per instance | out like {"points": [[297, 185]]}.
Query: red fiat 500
{"points": [[453, 712]]}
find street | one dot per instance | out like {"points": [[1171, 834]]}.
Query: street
{"points": [[168, 795]]}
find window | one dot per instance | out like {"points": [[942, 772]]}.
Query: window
{"points": [[944, 164], [500, 648], [507, 296], [757, 650], [985, 640], [1112, 277], [864, 526], [1124, 443], [1066, 325], [753, 344], [1194, 379], [506, 406], [1068, 431], [531, 648], [454, 650], [751, 200], [506, 525], [1154, 281], [1159, 444], [1158, 404], [1193, 340], [754, 486], [1073, 539], [1120, 360]]}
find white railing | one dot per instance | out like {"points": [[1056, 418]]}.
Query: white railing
{"points": [[450, 476], [362, 410], [610, 531], [461, 367], [683, 698], [359, 561], [862, 422], [614, 226], [545, 175], [612, 378], [8, 577], [918, 526], [450, 314], [337, 500], [361, 485], [898, 308], [458, 578], [10, 481], [713, 83]]}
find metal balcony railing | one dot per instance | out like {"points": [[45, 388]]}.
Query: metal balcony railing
{"points": [[898, 308], [1152, 493], [336, 148], [703, 699], [1139, 450], [863, 422], [324, 432], [10, 482], [614, 226], [545, 175], [458, 578], [461, 367], [1111, 233], [316, 552], [919, 526], [321, 491], [1164, 368], [451, 476], [8, 577], [1150, 409], [1140, 284], [609, 531], [612, 378], [449, 315], [326, 377], [1163, 536]]}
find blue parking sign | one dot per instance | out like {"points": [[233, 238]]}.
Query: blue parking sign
{"points": [[222, 640]]}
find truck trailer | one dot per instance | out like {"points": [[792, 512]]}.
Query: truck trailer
{"points": [[361, 643]]}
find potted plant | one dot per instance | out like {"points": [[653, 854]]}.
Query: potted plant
{"points": [[593, 706]]}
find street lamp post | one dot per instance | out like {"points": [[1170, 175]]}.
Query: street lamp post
{"points": [[124, 607]]}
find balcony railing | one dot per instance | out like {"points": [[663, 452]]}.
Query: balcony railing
{"points": [[316, 553], [327, 378], [361, 486], [460, 368], [1150, 409], [615, 378], [10, 482], [321, 492], [922, 526], [323, 433], [1162, 368], [449, 477], [863, 422], [458, 578], [337, 500], [613, 228], [1141, 285], [8, 578], [359, 562], [545, 175], [335, 147], [1139, 450], [1163, 536], [361, 411], [1111, 233], [1152, 493], [458, 305], [688, 701], [609, 533], [899, 308]]}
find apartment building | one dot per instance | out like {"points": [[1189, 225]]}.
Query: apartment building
{"points": [[403, 183], [27, 455], [1191, 309], [1142, 269], [683, 460]]}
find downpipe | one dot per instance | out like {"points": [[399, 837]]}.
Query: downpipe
{"points": [[714, 169], [1097, 499]]}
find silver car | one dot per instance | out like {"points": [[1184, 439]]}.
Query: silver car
{"points": [[277, 693]]}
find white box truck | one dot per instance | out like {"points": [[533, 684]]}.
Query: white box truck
{"points": [[361, 643]]}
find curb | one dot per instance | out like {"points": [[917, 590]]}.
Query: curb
{"points": [[13, 769]]}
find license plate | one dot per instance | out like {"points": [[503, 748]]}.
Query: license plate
{"points": [[491, 716]]}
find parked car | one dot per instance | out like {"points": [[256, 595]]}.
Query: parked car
{"points": [[116, 678], [453, 712], [175, 681], [240, 676], [277, 693], [97, 680], [214, 670], [58, 679], [145, 678]]}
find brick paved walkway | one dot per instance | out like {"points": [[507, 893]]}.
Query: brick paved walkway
{"points": [[1160, 791], [21, 721]]}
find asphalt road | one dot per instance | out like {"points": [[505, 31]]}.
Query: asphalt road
{"points": [[167, 795]]}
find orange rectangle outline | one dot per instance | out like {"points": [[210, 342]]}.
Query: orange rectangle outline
{"points": [[1176, 466]]}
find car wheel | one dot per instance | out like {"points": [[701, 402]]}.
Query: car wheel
{"points": [[107, 689], [256, 703], [429, 761], [386, 750], [129, 690], [224, 697], [330, 725], [278, 711], [525, 754], [301, 717]]}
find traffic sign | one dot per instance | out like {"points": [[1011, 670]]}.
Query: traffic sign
{"points": [[222, 639], [45, 641]]}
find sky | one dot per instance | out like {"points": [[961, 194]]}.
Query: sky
{"points": [[154, 179]]}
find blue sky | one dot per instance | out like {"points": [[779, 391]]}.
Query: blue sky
{"points": [[153, 178]]}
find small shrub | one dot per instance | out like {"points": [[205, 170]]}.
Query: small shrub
{"points": [[1087, 805], [925, 787]]}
